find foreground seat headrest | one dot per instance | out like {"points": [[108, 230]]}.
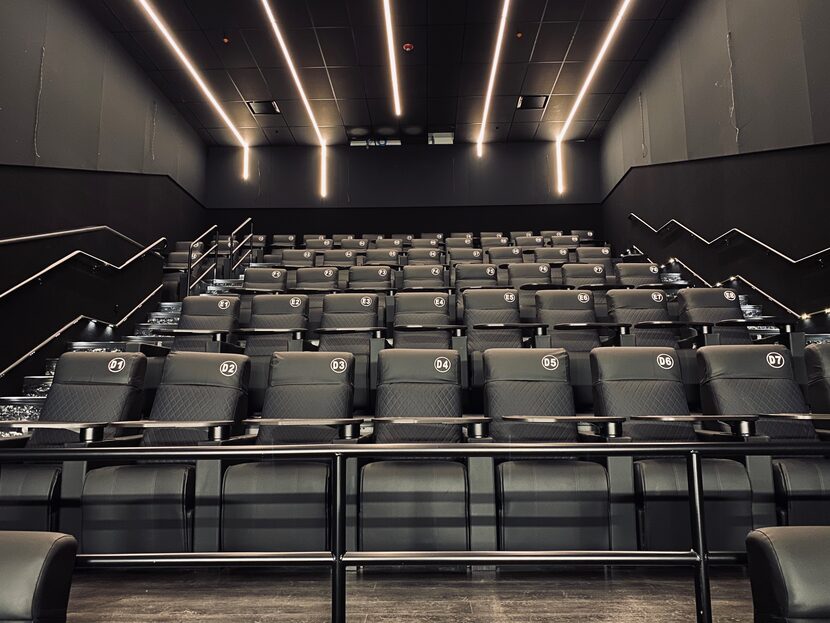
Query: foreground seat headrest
{"points": [[268, 304], [788, 569], [817, 357], [35, 575], [267, 277], [744, 362], [418, 366], [638, 270], [526, 364], [491, 299], [211, 305], [697, 298], [101, 369], [310, 368], [434, 302], [636, 299], [635, 363], [211, 369], [565, 299], [350, 303]]}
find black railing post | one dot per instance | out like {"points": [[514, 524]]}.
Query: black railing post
{"points": [[338, 539], [703, 598]]}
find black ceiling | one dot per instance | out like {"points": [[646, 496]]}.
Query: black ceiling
{"points": [[339, 46]]}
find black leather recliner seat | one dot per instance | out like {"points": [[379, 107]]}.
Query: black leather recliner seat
{"points": [[553, 504], [277, 324], [149, 507], [713, 305], [87, 387], [206, 317], [487, 309], [758, 379], [418, 504], [637, 274], [421, 308], [817, 358], [528, 278], [646, 381], [284, 505]]}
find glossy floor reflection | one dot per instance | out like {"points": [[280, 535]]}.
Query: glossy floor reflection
{"points": [[482, 597]]}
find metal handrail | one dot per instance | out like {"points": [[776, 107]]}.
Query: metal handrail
{"points": [[67, 232], [232, 248], [103, 264], [338, 558], [215, 249], [734, 230]]}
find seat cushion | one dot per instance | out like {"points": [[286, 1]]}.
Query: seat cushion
{"points": [[413, 505], [553, 505], [802, 490], [275, 507], [138, 508], [663, 504], [28, 496]]}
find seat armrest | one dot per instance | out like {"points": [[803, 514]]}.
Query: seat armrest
{"points": [[662, 286], [754, 322], [475, 424], [740, 425], [673, 324], [219, 335], [443, 290], [218, 429], [623, 327], [543, 286], [599, 287], [313, 290], [87, 431], [246, 290], [297, 332], [609, 425], [348, 428], [813, 417], [378, 331], [458, 329], [539, 328], [390, 290]]}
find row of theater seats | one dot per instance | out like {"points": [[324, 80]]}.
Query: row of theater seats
{"points": [[469, 320], [748, 392]]}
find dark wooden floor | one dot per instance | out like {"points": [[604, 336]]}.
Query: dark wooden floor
{"points": [[484, 597]]}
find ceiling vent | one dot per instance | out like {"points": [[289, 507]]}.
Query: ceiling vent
{"points": [[532, 102], [264, 107]]}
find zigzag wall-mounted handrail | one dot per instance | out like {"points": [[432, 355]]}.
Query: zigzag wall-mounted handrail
{"points": [[726, 234]]}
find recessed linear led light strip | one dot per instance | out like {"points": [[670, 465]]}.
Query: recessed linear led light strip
{"points": [[609, 38], [197, 78], [493, 70], [393, 65], [287, 55]]}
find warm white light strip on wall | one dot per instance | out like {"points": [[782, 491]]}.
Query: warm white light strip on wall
{"points": [[393, 65], [287, 55], [197, 78], [491, 84], [609, 38]]}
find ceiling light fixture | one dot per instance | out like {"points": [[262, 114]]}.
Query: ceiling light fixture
{"points": [[393, 65], [287, 55], [609, 38], [197, 78], [492, 82]]}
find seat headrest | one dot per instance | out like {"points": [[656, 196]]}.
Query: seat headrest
{"points": [[296, 255], [635, 363], [382, 254], [265, 275], [326, 274], [406, 365], [418, 254], [349, 303], [465, 253], [491, 299], [338, 254], [564, 241], [583, 271], [180, 257], [565, 299], [749, 361], [310, 368], [211, 305], [212, 369], [370, 273], [526, 364], [494, 241], [267, 304], [422, 272], [476, 271], [817, 357], [284, 238], [693, 298], [529, 241], [540, 271], [636, 299], [594, 252], [433, 302], [101, 369], [551, 253], [638, 270], [505, 252]]}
